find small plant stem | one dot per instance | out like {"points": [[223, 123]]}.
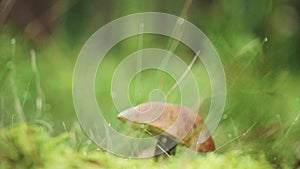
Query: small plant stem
{"points": [[237, 137], [183, 75], [138, 81], [17, 102], [290, 127], [173, 44], [39, 98]]}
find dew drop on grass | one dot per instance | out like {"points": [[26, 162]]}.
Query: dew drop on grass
{"points": [[109, 124], [225, 116], [180, 21], [13, 41], [142, 25], [89, 141], [266, 39], [113, 94], [229, 135]]}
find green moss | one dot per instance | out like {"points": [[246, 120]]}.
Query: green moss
{"points": [[26, 146]]}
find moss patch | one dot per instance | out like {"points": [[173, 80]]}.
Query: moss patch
{"points": [[25, 146]]}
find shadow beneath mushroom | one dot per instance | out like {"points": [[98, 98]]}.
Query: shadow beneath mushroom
{"points": [[166, 147]]}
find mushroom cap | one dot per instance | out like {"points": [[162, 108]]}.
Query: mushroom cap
{"points": [[181, 123]]}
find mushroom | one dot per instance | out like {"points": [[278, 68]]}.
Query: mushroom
{"points": [[175, 125]]}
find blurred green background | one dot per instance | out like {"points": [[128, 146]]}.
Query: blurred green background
{"points": [[257, 41]]}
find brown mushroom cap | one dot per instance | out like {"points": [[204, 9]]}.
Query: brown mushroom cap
{"points": [[181, 123]]}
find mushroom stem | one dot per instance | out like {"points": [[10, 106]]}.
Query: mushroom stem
{"points": [[165, 147]]}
